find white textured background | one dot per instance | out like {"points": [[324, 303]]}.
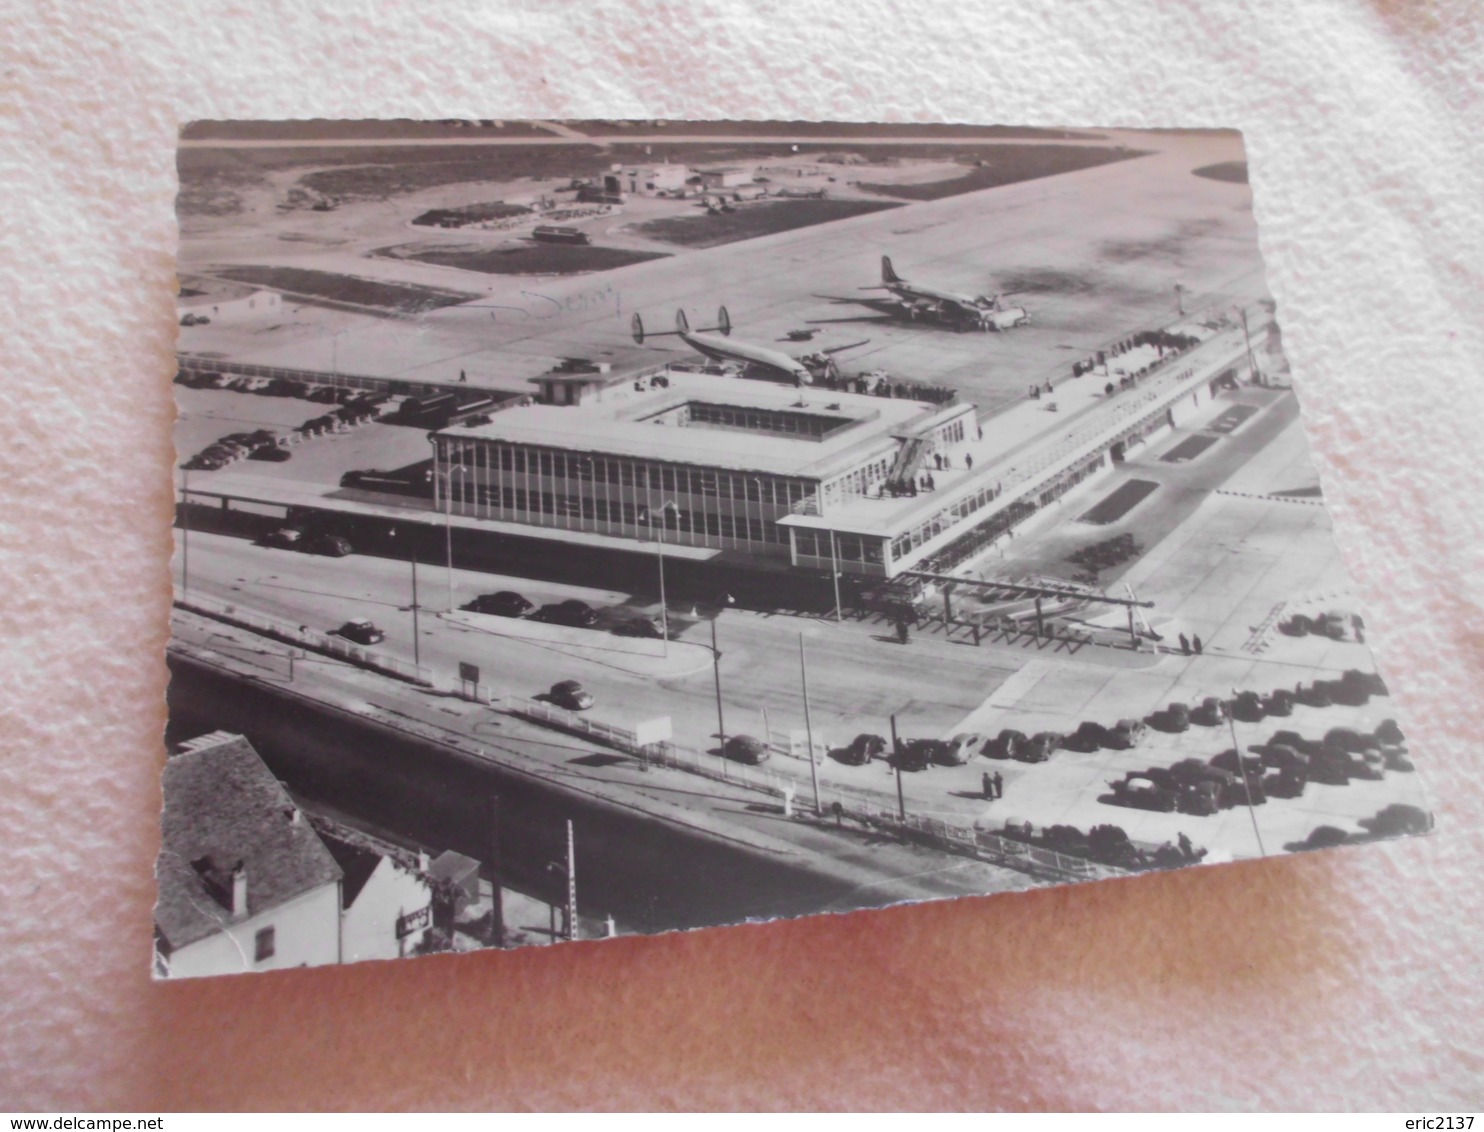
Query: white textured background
{"points": [[1349, 979]]}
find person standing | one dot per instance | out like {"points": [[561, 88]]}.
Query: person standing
{"points": [[988, 787], [1196, 644], [1184, 644], [999, 785]]}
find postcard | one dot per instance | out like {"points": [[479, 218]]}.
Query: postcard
{"points": [[596, 528]]}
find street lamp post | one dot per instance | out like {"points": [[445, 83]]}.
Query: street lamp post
{"points": [[835, 575], [185, 533], [659, 551], [448, 527], [721, 727], [416, 642], [808, 725]]}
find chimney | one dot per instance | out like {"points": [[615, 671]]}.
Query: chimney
{"points": [[424, 862], [239, 891]]}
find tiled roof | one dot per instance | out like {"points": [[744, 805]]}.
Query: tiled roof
{"points": [[222, 806]]}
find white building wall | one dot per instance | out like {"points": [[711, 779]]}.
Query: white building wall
{"points": [[306, 933], [369, 925]]}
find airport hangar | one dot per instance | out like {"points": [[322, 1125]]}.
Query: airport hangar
{"points": [[768, 475]]}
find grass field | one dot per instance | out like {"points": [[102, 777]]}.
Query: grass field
{"points": [[706, 231], [1006, 165], [524, 259], [311, 286], [1234, 171], [1188, 449], [1123, 500]]}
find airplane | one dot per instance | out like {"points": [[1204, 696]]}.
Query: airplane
{"points": [[759, 359], [984, 312]]}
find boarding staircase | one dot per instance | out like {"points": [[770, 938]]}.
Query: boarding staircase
{"points": [[910, 458]]}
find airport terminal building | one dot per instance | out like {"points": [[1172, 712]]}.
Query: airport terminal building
{"points": [[814, 479], [703, 461]]}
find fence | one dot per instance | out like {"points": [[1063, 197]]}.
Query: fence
{"points": [[303, 636], [397, 386], [857, 805]]}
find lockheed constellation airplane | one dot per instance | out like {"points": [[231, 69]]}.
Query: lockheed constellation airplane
{"points": [[715, 343]]}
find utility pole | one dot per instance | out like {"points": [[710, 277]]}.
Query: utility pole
{"points": [[896, 758], [808, 726], [1242, 770], [185, 533], [448, 532], [721, 727], [416, 642], [497, 894], [659, 552], [572, 932], [835, 575], [1251, 360]]}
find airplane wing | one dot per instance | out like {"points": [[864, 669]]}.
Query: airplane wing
{"points": [[842, 349]]}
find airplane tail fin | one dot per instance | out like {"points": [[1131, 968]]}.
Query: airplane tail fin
{"points": [[682, 324], [723, 321], [636, 328], [888, 275]]}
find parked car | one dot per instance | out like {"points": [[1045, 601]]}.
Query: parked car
{"points": [[506, 603], [1295, 740], [573, 613], [1227, 760], [637, 627], [571, 695], [1315, 695], [960, 749], [1286, 783], [1125, 734], [1039, 747], [1176, 718], [1089, 736], [331, 546], [272, 453], [1248, 707], [1388, 732], [1005, 744], [917, 754], [1199, 799], [1282, 757], [745, 749], [283, 538], [1280, 703], [1329, 767], [1141, 791], [861, 750], [1210, 713], [361, 631]]}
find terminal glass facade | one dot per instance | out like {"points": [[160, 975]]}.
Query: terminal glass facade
{"points": [[620, 495]]}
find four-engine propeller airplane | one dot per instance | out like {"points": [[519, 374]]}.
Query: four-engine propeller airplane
{"points": [[983, 312], [715, 343]]}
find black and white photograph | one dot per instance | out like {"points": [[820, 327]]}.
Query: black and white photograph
{"points": [[589, 528]]}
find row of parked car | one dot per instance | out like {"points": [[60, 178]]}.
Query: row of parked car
{"points": [[310, 542], [1280, 768], [572, 613], [276, 387], [263, 444]]}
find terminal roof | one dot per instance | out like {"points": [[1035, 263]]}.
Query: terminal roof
{"points": [[621, 424]]}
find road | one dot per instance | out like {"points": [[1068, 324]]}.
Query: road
{"points": [[857, 677], [658, 849]]}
